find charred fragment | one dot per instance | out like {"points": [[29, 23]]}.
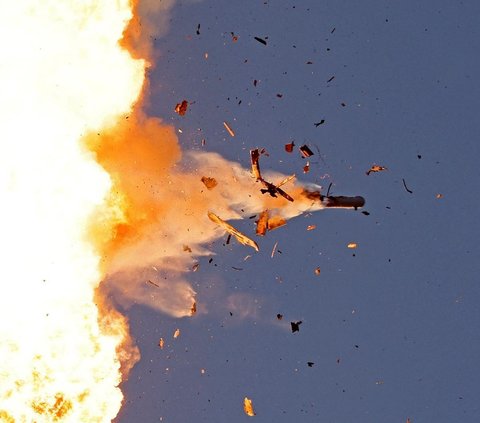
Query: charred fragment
{"points": [[181, 108], [295, 326], [272, 189], [289, 147], [305, 150], [210, 183], [335, 201]]}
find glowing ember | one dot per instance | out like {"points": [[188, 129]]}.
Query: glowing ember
{"points": [[63, 74]]}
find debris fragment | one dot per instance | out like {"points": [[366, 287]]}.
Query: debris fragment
{"points": [[187, 249], [195, 267], [319, 123], [275, 222], [279, 316], [272, 189], [375, 168], [243, 239], [273, 250], [176, 334], [331, 79], [406, 188], [161, 343], [181, 108], [279, 95], [305, 150], [254, 156], [311, 227], [234, 37], [198, 29], [352, 245], [289, 147], [261, 40], [262, 223], [366, 213], [248, 407], [210, 183], [306, 168], [310, 363], [295, 326], [438, 196], [193, 309], [229, 129], [317, 271], [153, 283]]}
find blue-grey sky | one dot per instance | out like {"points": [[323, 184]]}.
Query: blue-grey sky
{"points": [[392, 326]]}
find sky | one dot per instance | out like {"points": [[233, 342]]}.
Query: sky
{"points": [[391, 326]]}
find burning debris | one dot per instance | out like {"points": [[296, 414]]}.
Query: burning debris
{"points": [[241, 238], [265, 222], [248, 407], [229, 129], [181, 108], [210, 183], [375, 169], [289, 147]]}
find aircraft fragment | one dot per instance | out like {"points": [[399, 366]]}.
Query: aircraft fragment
{"points": [[243, 239]]}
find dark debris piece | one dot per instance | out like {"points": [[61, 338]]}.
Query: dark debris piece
{"points": [[310, 363], [289, 146], [331, 79], [319, 123], [279, 316], [305, 150], [198, 29], [366, 213], [296, 326], [406, 188], [261, 40], [181, 108]]}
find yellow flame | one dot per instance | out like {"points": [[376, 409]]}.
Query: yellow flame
{"points": [[62, 74]]}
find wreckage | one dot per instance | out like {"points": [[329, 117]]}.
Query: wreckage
{"points": [[327, 201], [272, 189]]}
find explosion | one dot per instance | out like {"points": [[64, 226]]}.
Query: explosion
{"points": [[61, 71], [96, 193]]}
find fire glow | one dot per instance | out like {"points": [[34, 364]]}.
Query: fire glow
{"points": [[93, 190]]}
